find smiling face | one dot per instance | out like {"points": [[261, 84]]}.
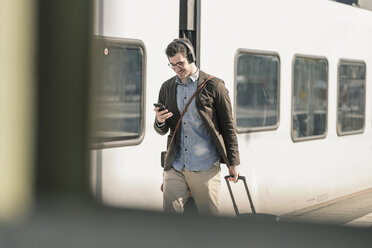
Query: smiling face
{"points": [[181, 66]]}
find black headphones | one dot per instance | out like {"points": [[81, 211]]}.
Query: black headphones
{"points": [[190, 51]]}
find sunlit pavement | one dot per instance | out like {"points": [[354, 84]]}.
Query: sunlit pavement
{"points": [[352, 210]]}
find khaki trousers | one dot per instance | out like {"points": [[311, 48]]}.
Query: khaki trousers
{"points": [[204, 186]]}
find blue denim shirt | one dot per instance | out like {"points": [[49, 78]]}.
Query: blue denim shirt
{"points": [[196, 151]]}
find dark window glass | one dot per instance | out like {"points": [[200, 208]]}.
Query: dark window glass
{"points": [[351, 97], [257, 91], [118, 115], [309, 98]]}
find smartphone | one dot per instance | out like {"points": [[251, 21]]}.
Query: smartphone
{"points": [[160, 106]]}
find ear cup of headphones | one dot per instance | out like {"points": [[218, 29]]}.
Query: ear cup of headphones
{"points": [[191, 57]]}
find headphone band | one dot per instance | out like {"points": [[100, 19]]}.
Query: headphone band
{"points": [[190, 55]]}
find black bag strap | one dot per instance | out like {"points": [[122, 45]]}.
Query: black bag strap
{"points": [[187, 105]]}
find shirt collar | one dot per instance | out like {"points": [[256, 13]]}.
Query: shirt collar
{"points": [[193, 78]]}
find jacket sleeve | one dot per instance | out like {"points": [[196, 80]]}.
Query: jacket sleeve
{"points": [[161, 129], [226, 123]]}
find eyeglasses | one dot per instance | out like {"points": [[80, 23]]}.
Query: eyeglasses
{"points": [[178, 64]]}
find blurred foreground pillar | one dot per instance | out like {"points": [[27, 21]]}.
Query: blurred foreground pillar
{"points": [[63, 94], [17, 29]]}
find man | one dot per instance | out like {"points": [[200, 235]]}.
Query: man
{"points": [[205, 137]]}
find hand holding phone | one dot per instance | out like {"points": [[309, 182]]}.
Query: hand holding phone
{"points": [[161, 117], [160, 106]]}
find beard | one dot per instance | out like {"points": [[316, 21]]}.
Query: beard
{"points": [[182, 74]]}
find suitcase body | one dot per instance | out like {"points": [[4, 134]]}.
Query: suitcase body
{"points": [[253, 215]]}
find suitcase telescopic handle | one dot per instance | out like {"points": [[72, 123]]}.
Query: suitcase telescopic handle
{"points": [[232, 195], [239, 177]]}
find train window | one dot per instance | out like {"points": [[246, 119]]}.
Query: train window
{"points": [[351, 97], [309, 97], [118, 99], [257, 90]]}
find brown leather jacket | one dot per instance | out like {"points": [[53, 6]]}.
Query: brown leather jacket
{"points": [[214, 107]]}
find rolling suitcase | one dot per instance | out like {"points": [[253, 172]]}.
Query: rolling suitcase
{"points": [[253, 215]]}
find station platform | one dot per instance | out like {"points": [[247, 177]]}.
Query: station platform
{"points": [[353, 210], [70, 222]]}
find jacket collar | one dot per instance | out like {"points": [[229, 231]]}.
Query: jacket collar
{"points": [[202, 77]]}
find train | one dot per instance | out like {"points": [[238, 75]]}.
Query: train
{"points": [[297, 75]]}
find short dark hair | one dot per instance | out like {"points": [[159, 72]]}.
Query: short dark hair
{"points": [[177, 47]]}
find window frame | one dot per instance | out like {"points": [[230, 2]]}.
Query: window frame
{"points": [[99, 42], [314, 137], [351, 61], [263, 53]]}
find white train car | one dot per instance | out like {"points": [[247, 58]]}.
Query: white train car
{"points": [[297, 73]]}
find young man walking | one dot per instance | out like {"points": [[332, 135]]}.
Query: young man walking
{"points": [[205, 136]]}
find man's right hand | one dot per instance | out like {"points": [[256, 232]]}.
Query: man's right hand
{"points": [[234, 171], [161, 116]]}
